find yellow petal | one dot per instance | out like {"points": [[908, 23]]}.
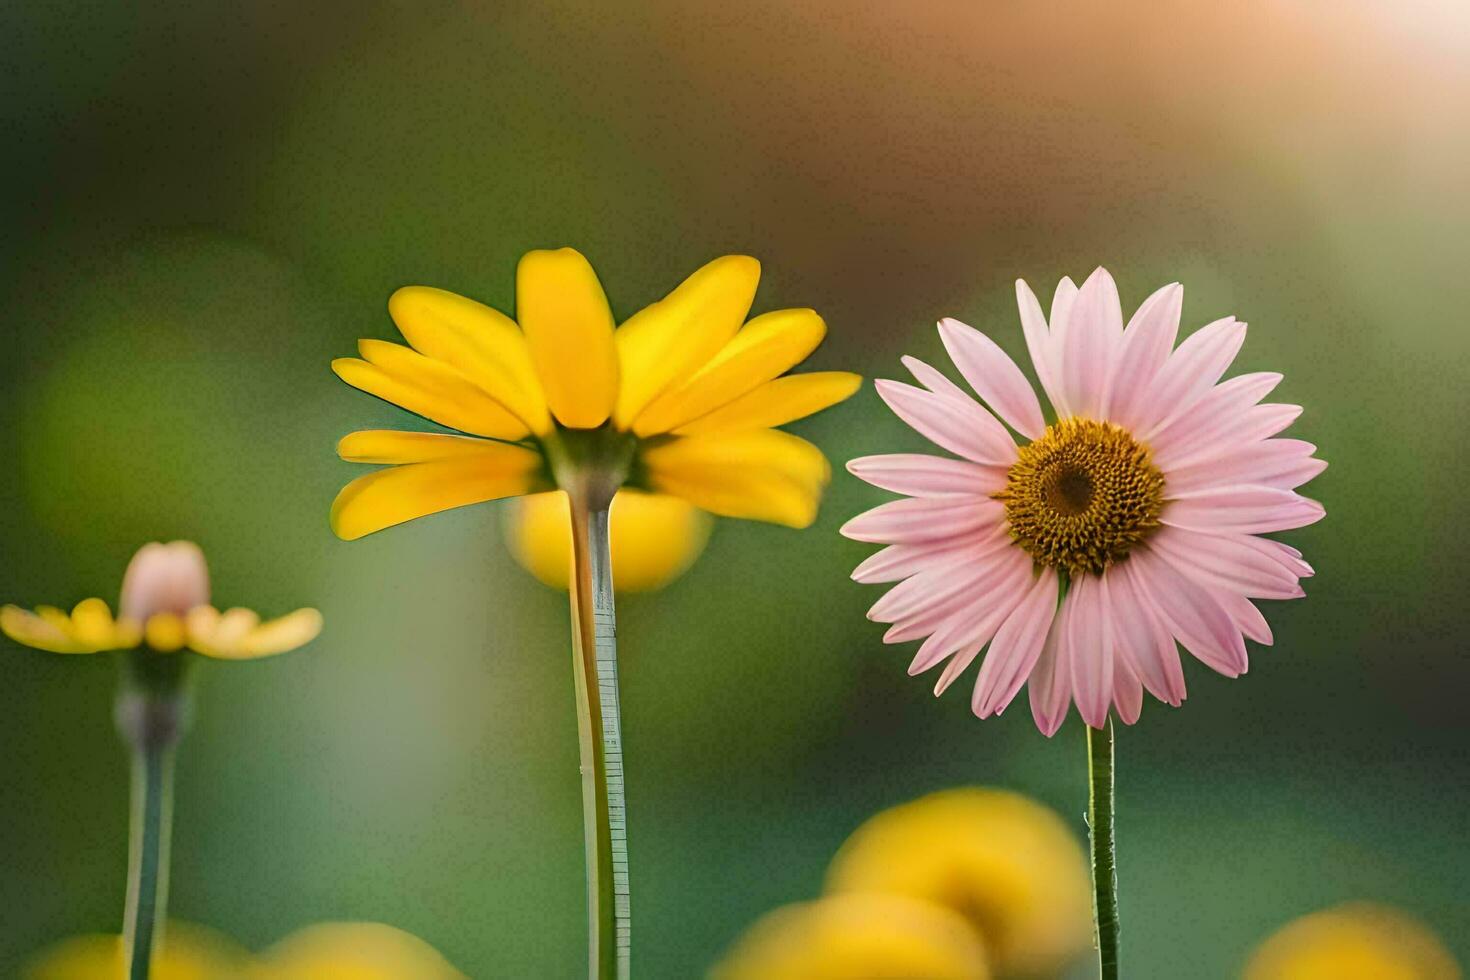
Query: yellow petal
{"points": [[653, 537], [428, 388], [39, 632], [484, 344], [763, 474], [239, 635], [777, 402], [401, 493], [569, 327], [165, 632], [665, 343], [91, 624], [769, 345], [393, 446]]}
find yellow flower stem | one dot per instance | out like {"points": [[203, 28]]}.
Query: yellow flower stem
{"points": [[150, 714], [1104, 848], [595, 669]]}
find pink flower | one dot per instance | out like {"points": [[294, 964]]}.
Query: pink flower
{"points": [[1133, 521]]}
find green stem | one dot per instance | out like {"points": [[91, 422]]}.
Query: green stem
{"points": [[1100, 799], [150, 715], [604, 803]]}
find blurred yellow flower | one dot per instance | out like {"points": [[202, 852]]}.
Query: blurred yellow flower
{"points": [[189, 952], [858, 937], [1357, 941], [1007, 864], [165, 605], [655, 537], [353, 951], [682, 398]]}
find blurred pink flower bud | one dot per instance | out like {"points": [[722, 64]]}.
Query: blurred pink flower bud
{"points": [[164, 578]]}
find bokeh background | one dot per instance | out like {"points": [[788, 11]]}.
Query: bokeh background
{"points": [[204, 203]]}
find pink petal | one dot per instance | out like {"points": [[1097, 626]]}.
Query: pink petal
{"points": [[1243, 509], [1016, 647], [1234, 562], [1189, 611], [1253, 425], [1050, 684], [914, 519], [1127, 691], [1088, 640], [920, 475], [994, 376], [962, 427], [1190, 372], [1143, 641], [1244, 614], [1282, 463], [975, 627], [983, 632], [1039, 340], [1147, 342], [926, 594], [899, 561], [1091, 343], [1214, 415]]}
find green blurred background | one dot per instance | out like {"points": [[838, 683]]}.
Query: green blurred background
{"points": [[205, 203]]}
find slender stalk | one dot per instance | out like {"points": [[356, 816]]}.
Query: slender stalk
{"points": [[150, 715], [1104, 848], [604, 802], [153, 768]]}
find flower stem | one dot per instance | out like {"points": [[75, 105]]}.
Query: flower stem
{"points": [[1104, 848], [150, 715], [604, 803]]}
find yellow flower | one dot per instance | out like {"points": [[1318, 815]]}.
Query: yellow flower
{"points": [[858, 937], [1007, 864], [654, 538], [683, 399], [353, 951], [165, 605], [188, 953], [1357, 941]]}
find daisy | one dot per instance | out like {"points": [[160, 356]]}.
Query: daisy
{"points": [[1079, 557], [675, 411], [164, 610]]}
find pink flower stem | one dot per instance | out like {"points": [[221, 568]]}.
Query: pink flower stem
{"points": [[595, 670], [1104, 848]]}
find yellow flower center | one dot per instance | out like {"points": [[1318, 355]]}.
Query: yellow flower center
{"points": [[1082, 496]]}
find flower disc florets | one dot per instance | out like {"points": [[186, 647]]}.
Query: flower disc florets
{"points": [[1082, 496]]}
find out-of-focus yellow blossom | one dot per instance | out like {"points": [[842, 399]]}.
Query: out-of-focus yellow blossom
{"points": [[189, 952], [858, 937], [353, 951], [164, 605], [1357, 941], [683, 398], [1007, 864], [654, 537]]}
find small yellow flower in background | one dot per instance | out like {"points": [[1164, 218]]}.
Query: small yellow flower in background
{"points": [[1357, 941], [189, 952], [683, 399], [165, 606], [1007, 864], [655, 538], [858, 937], [353, 951]]}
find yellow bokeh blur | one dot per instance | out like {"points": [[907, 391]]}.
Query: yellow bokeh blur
{"points": [[1357, 941], [353, 951], [189, 952], [858, 937], [654, 537], [1006, 863]]}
